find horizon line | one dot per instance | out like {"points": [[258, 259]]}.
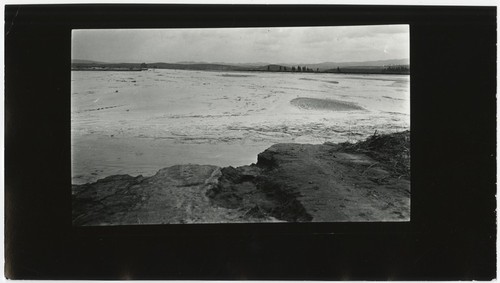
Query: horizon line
{"points": [[226, 63]]}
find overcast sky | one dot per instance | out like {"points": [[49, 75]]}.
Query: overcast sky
{"points": [[244, 45]]}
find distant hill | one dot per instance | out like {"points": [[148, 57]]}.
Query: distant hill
{"points": [[87, 65], [331, 65], [78, 61], [365, 66], [196, 66], [249, 65], [271, 67], [321, 66], [196, 62], [401, 69]]}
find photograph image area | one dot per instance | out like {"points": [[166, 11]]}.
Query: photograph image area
{"points": [[240, 125]]}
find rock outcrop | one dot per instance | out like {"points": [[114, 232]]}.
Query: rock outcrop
{"points": [[366, 181], [175, 194]]}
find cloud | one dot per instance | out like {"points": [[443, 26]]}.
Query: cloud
{"points": [[234, 45]]}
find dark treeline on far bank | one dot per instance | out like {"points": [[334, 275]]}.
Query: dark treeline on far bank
{"points": [[390, 69], [382, 69]]}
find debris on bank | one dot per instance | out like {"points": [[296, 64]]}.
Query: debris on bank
{"points": [[391, 149]]}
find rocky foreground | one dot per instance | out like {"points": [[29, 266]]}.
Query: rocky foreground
{"points": [[366, 181]]}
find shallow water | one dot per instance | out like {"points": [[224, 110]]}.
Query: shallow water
{"points": [[138, 122]]}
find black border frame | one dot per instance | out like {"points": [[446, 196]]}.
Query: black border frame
{"points": [[452, 232]]}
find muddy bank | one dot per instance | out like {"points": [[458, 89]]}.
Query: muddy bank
{"points": [[176, 194], [366, 181]]}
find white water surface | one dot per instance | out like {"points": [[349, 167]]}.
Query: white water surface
{"points": [[138, 122]]}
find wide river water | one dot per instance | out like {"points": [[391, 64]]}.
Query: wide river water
{"points": [[138, 122]]}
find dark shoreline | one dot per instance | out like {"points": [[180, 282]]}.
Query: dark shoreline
{"points": [[260, 71], [365, 181]]}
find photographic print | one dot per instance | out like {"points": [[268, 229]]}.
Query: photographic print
{"points": [[240, 125]]}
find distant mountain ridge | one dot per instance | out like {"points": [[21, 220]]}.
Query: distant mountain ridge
{"points": [[79, 61], [331, 65], [314, 66], [369, 66], [321, 65]]}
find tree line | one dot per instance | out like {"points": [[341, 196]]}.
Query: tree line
{"points": [[398, 68], [293, 69]]}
